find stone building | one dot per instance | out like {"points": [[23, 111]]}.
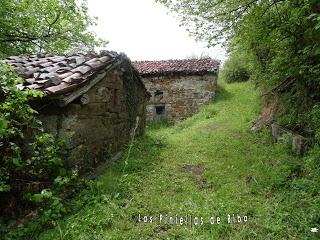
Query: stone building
{"points": [[92, 101], [178, 87]]}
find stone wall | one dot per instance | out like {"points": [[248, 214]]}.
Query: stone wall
{"points": [[178, 97], [96, 125], [298, 144]]}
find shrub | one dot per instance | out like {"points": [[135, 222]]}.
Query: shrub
{"points": [[30, 160], [235, 69]]}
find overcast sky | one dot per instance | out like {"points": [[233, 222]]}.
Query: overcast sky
{"points": [[144, 30]]}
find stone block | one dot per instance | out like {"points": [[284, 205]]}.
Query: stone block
{"points": [[299, 144]]}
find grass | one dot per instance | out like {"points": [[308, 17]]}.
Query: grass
{"points": [[208, 165]]}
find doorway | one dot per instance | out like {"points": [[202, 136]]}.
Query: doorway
{"points": [[159, 112]]}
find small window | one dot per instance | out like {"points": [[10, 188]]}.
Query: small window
{"points": [[160, 110]]}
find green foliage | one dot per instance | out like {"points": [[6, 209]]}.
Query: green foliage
{"points": [[286, 140], [242, 173], [280, 40], [162, 123], [30, 159], [32, 172], [235, 69], [32, 26], [131, 92]]}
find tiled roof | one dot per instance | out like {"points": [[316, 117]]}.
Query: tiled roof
{"points": [[61, 74], [183, 67]]}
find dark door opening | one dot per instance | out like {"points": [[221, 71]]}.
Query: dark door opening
{"points": [[159, 113], [159, 110]]}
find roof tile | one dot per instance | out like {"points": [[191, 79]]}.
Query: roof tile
{"points": [[104, 59], [185, 66], [95, 64], [82, 69], [61, 88], [34, 86], [60, 74], [72, 77], [65, 75]]}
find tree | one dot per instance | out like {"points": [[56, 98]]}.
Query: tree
{"points": [[30, 159], [55, 26], [280, 39]]}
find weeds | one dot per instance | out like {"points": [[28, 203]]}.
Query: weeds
{"points": [[227, 170]]}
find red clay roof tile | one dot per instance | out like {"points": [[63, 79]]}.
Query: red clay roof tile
{"points": [[60, 74], [183, 67]]}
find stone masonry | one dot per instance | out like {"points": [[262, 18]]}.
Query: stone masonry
{"points": [[96, 116], [178, 88]]}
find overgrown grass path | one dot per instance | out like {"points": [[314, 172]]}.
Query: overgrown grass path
{"points": [[208, 165]]}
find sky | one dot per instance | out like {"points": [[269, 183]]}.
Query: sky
{"points": [[146, 30]]}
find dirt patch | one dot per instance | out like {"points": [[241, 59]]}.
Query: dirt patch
{"points": [[271, 106], [196, 170], [197, 173]]}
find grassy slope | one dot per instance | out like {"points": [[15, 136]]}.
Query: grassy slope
{"points": [[208, 164]]}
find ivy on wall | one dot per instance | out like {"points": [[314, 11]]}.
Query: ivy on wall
{"points": [[131, 96]]}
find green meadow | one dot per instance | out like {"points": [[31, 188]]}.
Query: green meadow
{"points": [[199, 170]]}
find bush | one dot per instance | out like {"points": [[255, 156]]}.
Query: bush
{"points": [[235, 69], [30, 159]]}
